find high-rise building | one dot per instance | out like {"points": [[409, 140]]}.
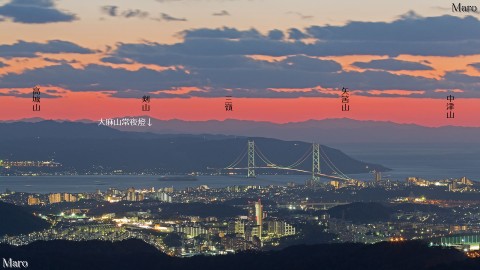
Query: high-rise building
{"points": [[252, 232], [240, 227], [131, 195], [259, 215], [280, 228], [55, 198], [162, 196], [378, 176], [288, 229], [236, 227], [452, 186], [69, 197], [134, 196], [466, 181]]}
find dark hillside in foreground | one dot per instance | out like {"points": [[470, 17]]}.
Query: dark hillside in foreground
{"points": [[135, 254], [16, 220]]}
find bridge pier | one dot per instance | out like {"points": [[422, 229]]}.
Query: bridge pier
{"points": [[251, 159], [315, 162]]}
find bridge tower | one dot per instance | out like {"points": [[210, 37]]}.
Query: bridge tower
{"points": [[251, 159], [315, 162]]}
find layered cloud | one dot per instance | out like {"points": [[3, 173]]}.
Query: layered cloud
{"points": [[292, 63], [251, 79], [49, 93], [392, 64], [35, 12], [33, 49], [407, 35], [97, 78]]}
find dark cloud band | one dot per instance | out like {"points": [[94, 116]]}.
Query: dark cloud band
{"points": [[35, 12]]}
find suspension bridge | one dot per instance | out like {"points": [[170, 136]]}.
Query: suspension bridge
{"points": [[315, 152]]}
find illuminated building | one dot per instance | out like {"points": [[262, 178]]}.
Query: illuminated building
{"points": [[464, 242], [240, 227], [131, 194], [255, 215], [168, 189], [165, 229], [113, 198], [452, 186], [162, 196], [335, 184], [239, 243], [8, 164], [55, 198], [466, 181], [113, 191], [259, 215], [32, 200], [191, 231], [280, 228], [69, 197], [236, 227], [419, 182], [134, 196], [234, 189], [252, 232]]}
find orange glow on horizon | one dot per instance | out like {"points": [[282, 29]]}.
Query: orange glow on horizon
{"points": [[97, 105]]}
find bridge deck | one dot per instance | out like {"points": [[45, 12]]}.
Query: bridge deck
{"points": [[298, 170]]}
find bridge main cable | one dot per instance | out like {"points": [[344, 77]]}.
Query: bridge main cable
{"points": [[329, 162], [301, 159], [237, 160]]}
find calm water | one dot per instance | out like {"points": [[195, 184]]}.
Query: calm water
{"points": [[428, 161], [47, 184]]}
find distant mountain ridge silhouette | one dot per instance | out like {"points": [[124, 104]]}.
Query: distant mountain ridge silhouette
{"points": [[338, 130]]}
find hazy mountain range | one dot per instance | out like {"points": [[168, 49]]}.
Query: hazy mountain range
{"points": [[341, 130], [322, 131]]}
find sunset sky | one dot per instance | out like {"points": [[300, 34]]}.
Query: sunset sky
{"points": [[280, 60]]}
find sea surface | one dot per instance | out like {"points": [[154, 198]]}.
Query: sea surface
{"points": [[430, 161]]}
